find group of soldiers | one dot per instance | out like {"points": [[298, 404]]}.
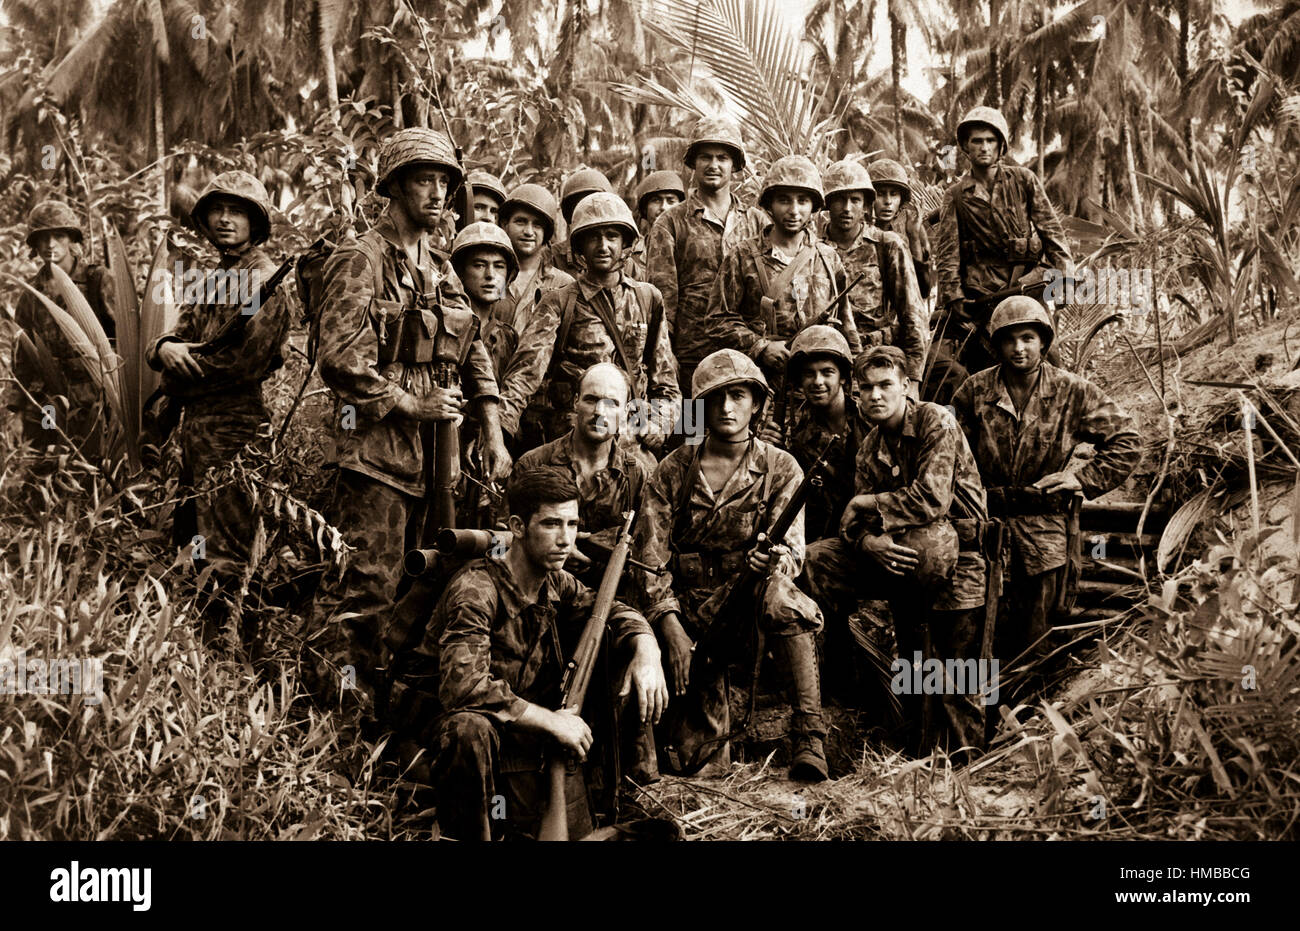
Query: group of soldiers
{"points": [[578, 374]]}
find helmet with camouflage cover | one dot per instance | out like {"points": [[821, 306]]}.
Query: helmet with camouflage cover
{"points": [[52, 216], [483, 236], [816, 341], [1017, 310], [578, 185], [847, 175], [417, 146], [245, 187], [936, 545], [658, 181], [983, 116], [536, 199], [728, 367], [888, 171], [481, 180], [603, 208], [716, 130], [793, 171]]}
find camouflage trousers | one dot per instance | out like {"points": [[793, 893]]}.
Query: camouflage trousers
{"points": [[222, 513], [837, 578], [1026, 615], [488, 787], [343, 642]]}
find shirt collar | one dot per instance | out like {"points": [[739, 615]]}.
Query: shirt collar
{"points": [[590, 289]]}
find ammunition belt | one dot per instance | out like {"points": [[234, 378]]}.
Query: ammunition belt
{"points": [[707, 568]]}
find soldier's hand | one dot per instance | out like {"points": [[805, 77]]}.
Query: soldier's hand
{"points": [[439, 404], [854, 512], [496, 460], [1059, 481], [894, 559], [646, 673], [680, 650], [770, 432], [774, 355], [175, 358], [764, 562], [570, 731]]}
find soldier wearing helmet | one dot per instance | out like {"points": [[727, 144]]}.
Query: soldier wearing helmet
{"points": [[489, 195], [658, 191], [894, 212], [576, 188], [1024, 419], [400, 347], [686, 249], [702, 514], [781, 281], [825, 421], [605, 316], [887, 305], [54, 236], [910, 534], [998, 234]]}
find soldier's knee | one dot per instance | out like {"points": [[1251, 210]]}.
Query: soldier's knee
{"points": [[787, 611], [468, 735]]}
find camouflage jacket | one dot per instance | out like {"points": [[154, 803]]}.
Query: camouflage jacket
{"points": [[722, 523], [562, 258], [611, 491], [736, 318], [887, 304], [1015, 450], [976, 259], [686, 247], [515, 338], [232, 377], [806, 438], [496, 651], [356, 322], [908, 225], [923, 474], [634, 260], [95, 284]]}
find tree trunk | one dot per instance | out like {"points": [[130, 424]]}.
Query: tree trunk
{"points": [[1184, 63], [159, 137], [1131, 167], [995, 55], [1040, 117], [332, 92], [897, 38]]}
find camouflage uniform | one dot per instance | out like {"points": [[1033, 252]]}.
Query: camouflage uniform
{"points": [[907, 224], [85, 402], [1014, 451], [383, 460], [887, 306], [635, 261], [807, 437], [684, 253], [925, 474], [486, 653], [703, 536]]}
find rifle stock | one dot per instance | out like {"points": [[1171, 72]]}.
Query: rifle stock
{"points": [[577, 677]]}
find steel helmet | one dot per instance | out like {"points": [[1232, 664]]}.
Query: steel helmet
{"points": [[537, 199], [417, 146], [658, 181], [847, 175], [578, 185], [983, 116], [717, 131], [1020, 309], [603, 208], [728, 367], [888, 171], [936, 545], [245, 187], [483, 181], [481, 235], [793, 171], [53, 216], [818, 340]]}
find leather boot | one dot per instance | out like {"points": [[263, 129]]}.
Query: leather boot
{"points": [[808, 759]]}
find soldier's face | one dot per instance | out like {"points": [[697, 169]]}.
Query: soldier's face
{"points": [[602, 398], [548, 537], [889, 200], [713, 168], [727, 411], [1021, 347], [423, 194], [228, 222], [821, 382], [790, 209], [846, 210], [527, 232], [882, 394], [657, 203], [485, 208], [982, 146], [485, 274], [602, 248], [53, 247]]}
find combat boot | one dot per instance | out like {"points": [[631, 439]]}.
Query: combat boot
{"points": [[808, 757]]}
